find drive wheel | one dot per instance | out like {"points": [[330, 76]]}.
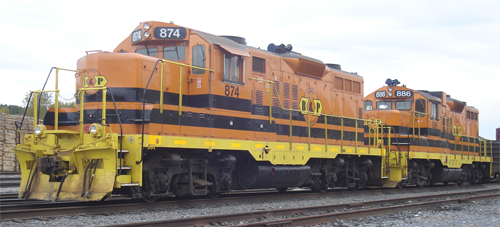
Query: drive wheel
{"points": [[149, 199], [355, 188], [214, 195]]}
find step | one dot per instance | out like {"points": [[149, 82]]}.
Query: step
{"points": [[201, 182], [123, 151], [400, 143], [129, 184], [124, 167]]}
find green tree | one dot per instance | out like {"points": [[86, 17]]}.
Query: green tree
{"points": [[45, 101], [65, 104], [5, 110]]}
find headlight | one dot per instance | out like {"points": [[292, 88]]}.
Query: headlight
{"points": [[95, 129], [146, 35], [146, 26], [39, 129]]}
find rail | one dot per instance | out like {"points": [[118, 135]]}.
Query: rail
{"points": [[180, 80], [418, 115], [162, 75], [80, 93], [308, 119]]}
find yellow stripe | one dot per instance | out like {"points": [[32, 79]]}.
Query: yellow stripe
{"points": [[259, 145], [180, 142], [235, 144], [280, 146], [300, 147], [209, 143], [317, 148]]}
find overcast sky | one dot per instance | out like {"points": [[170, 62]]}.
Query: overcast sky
{"points": [[451, 46]]}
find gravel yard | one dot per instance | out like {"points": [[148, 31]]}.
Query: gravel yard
{"points": [[478, 213]]}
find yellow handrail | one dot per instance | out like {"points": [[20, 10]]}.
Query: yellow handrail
{"points": [[182, 65], [305, 112], [413, 115], [82, 108], [56, 100]]}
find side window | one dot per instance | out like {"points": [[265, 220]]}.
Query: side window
{"points": [[174, 53], [368, 105], [199, 59], [434, 111], [384, 105], [233, 68], [403, 105], [420, 107], [149, 51]]}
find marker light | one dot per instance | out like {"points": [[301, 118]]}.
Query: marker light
{"points": [[146, 26], [390, 93], [146, 35]]}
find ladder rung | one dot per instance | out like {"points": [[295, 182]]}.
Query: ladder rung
{"points": [[123, 151], [129, 184], [124, 167]]}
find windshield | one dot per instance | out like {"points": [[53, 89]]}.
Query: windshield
{"points": [[403, 105], [384, 105]]}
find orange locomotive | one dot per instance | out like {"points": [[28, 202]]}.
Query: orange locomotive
{"points": [[178, 112], [436, 133]]}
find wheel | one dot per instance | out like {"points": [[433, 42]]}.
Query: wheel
{"points": [[400, 185], [149, 199], [353, 188], [214, 195], [323, 188], [282, 190], [319, 188]]}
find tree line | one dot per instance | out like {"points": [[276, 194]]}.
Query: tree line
{"points": [[46, 101]]}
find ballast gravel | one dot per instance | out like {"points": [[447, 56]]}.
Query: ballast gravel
{"points": [[474, 213]]}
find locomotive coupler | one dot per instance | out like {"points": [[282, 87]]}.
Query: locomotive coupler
{"points": [[51, 165]]}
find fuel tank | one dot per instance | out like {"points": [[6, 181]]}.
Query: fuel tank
{"points": [[260, 176], [446, 175]]}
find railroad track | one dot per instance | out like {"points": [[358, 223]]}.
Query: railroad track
{"points": [[324, 214], [31, 209], [9, 179]]}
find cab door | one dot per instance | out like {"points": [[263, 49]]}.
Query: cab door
{"points": [[195, 118]]}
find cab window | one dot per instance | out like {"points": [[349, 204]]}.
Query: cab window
{"points": [[403, 105], [148, 51], [384, 105], [199, 59], [434, 111], [233, 68], [174, 53], [420, 107], [368, 105]]}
